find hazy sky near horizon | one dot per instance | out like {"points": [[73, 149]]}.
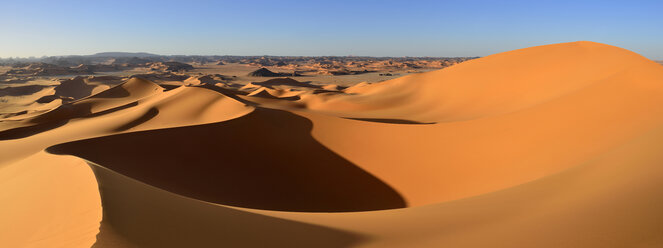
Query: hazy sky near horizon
{"points": [[372, 28]]}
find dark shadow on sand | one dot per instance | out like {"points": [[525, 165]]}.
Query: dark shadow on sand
{"points": [[149, 217], [392, 121], [151, 113], [264, 160], [59, 117], [23, 132]]}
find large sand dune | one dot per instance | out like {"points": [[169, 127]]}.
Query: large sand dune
{"points": [[549, 146]]}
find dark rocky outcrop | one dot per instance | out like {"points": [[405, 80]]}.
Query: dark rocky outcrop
{"points": [[264, 72], [171, 66]]}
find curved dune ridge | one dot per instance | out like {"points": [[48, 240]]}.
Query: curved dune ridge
{"points": [[548, 146], [493, 85]]}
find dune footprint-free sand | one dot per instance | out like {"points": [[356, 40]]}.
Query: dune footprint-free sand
{"points": [[548, 146]]}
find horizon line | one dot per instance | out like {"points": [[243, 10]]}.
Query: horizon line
{"points": [[232, 55]]}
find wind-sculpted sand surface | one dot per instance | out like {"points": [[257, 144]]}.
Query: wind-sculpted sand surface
{"points": [[549, 146]]}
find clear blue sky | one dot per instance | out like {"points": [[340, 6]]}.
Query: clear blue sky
{"points": [[332, 27]]}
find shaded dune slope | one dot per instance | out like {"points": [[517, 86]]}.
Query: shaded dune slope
{"points": [[139, 215], [266, 160]]}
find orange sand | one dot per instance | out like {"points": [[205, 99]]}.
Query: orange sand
{"points": [[549, 146]]}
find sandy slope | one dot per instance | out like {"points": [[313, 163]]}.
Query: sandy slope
{"points": [[550, 146], [48, 201]]}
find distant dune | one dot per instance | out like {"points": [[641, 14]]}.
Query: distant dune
{"points": [[548, 146]]}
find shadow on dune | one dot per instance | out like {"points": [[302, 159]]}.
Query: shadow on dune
{"points": [[12, 81], [47, 121], [168, 87], [264, 160], [228, 92], [61, 115], [144, 216], [21, 90], [153, 112], [325, 91], [286, 82], [111, 110], [391, 121], [22, 132], [114, 92]]}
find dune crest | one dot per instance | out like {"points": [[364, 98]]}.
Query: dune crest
{"points": [[492, 85]]}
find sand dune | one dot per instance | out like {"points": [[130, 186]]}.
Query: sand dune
{"points": [[24, 98], [500, 150], [264, 165], [48, 201], [549, 146], [75, 88], [493, 85], [275, 94]]}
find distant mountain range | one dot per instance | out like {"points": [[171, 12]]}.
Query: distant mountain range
{"points": [[123, 54]]}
